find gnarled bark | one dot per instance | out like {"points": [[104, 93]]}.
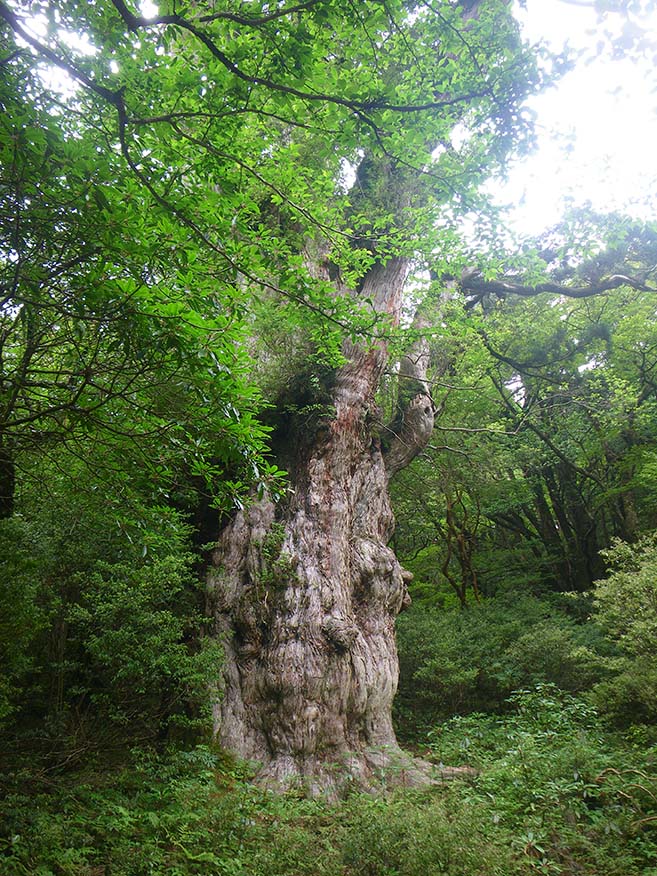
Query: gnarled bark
{"points": [[306, 596]]}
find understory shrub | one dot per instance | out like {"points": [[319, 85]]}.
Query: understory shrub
{"points": [[552, 795], [626, 609], [182, 814], [572, 798], [102, 616], [425, 833], [458, 661], [196, 814]]}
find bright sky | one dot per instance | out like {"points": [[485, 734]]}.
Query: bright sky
{"points": [[597, 128]]}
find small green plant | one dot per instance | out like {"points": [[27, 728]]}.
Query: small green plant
{"points": [[277, 567], [437, 832], [566, 792]]}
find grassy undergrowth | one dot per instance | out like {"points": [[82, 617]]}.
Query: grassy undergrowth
{"points": [[554, 794]]}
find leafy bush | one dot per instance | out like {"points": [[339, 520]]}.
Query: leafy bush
{"points": [[23, 615], [572, 798], [459, 661], [133, 627], [626, 608], [425, 834], [102, 618]]}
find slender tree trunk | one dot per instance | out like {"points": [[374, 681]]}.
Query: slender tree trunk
{"points": [[7, 483], [305, 596]]}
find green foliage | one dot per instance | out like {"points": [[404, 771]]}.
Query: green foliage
{"points": [[547, 423], [571, 798], [277, 568], [22, 617], [626, 601], [111, 325], [457, 661], [183, 209], [184, 813], [552, 795], [413, 836], [102, 615], [132, 626], [626, 608]]}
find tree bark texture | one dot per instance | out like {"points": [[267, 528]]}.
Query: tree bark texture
{"points": [[305, 596]]}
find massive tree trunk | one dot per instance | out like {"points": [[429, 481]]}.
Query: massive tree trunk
{"points": [[305, 594]]}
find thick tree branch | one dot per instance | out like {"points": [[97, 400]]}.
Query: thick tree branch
{"points": [[412, 436], [477, 287], [413, 426]]}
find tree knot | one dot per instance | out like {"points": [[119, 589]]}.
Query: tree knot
{"points": [[340, 632]]}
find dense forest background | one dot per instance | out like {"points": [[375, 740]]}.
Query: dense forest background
{"points": [[167, 191]]}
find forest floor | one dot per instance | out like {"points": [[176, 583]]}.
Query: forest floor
{"points": [[552, 793]]}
